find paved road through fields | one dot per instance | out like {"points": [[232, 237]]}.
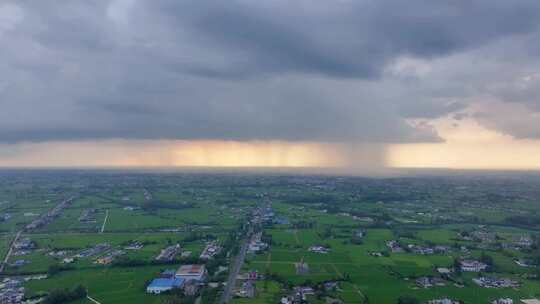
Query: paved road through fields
{"points": [[235, 269]]}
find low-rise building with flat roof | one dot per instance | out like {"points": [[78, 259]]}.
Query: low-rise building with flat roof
{"points": [[191, 272], [160, 285]]}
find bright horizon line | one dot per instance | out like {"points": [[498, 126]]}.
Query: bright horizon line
{"points": [[327, 168]]}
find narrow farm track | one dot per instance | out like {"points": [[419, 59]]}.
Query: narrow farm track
{"points": [[359, 292], [268, 260], [92, 299], [10, 250], [337, 270], [296, 236], [104, 221]]}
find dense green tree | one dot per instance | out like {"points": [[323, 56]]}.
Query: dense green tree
{"points": [[407, 299]]}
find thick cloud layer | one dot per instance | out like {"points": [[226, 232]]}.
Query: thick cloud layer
{"points": [[353, 71]]}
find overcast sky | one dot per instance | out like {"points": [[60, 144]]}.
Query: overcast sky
{"points": [[365, 71]]}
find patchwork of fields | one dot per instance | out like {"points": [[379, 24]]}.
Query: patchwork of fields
{"points": [[328, 235]]}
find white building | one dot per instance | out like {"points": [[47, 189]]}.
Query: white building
{"points": [[472, 266], [191, 272], [210, 251], [443, 301]]}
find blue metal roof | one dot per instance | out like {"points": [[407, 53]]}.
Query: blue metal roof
{"points": [[163, 283], [169, 272]]}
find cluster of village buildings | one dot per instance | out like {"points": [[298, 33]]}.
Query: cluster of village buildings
{"points": [[256, 245], [88, 216], [396, 247], [50, 215], [187, 277], [496, 301], [12, 291], [494, 282], [485, 238]]}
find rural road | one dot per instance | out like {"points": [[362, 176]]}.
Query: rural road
{"points": [[237, 265], [104, 221], [10, 251]]}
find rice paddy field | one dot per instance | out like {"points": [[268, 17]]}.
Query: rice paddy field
{"points": [[159, 209]]}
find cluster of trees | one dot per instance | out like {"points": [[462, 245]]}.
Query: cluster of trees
{"points": [[196, 236], [404, 233], [267, 238], [131, 262], [177, 296], [486, 259], [407, 299], [326, 233], [524, 220], [356, 240], [59, 296], [56, 268]]}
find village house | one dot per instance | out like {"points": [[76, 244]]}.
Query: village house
{"points": [[524, 241], [444, 271], [426, 282], [107, 259], [492, 282], [134, 246], [421, 250], [246, 290], [256, 245], [318, 249], [394, 246], [93, 251], [24, 244], [443, 301], [160, 285], [472, 266], [167, 254], [210, 251], [191, 272]]}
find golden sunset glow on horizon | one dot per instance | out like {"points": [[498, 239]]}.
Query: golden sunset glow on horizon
{"points": [[467, 146], [212, 153]]}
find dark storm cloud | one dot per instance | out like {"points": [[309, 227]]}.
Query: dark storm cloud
{"points": [[346, 38], [303, 70]]}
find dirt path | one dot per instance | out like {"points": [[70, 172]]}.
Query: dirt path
{"points": [[268, 260], [359, 292], [92, 299], [337, 271], [105, 221]]}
